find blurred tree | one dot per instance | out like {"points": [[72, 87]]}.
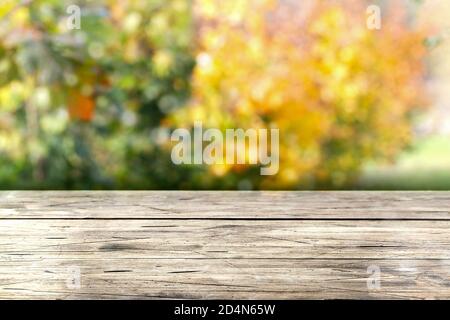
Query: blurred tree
{"points": [[91, 107], [79, 108], [340, 94]]}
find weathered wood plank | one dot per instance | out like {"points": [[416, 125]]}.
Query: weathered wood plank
{"points": [[225, 279], [224, 205], [187, 239], [223, 259]]}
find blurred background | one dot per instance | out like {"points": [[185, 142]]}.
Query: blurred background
{"points": [[92, 108]]}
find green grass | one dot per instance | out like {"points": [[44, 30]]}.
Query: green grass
{"points": [[426, 166]]}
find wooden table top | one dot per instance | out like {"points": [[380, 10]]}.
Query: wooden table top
{"points": [[224, 245]]}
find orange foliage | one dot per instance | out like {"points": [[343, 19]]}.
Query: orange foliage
{"points": [[81, 107]]}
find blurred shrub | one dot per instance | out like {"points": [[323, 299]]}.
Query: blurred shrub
{"points": [[88, 108], [340, 93], [79, 108]]}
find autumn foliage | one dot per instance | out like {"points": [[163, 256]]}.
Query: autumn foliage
{"points": [[89, 108], [340, 94]]}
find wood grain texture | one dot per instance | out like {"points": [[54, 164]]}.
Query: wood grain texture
{"points": [[224, 205], [223, 245]]}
